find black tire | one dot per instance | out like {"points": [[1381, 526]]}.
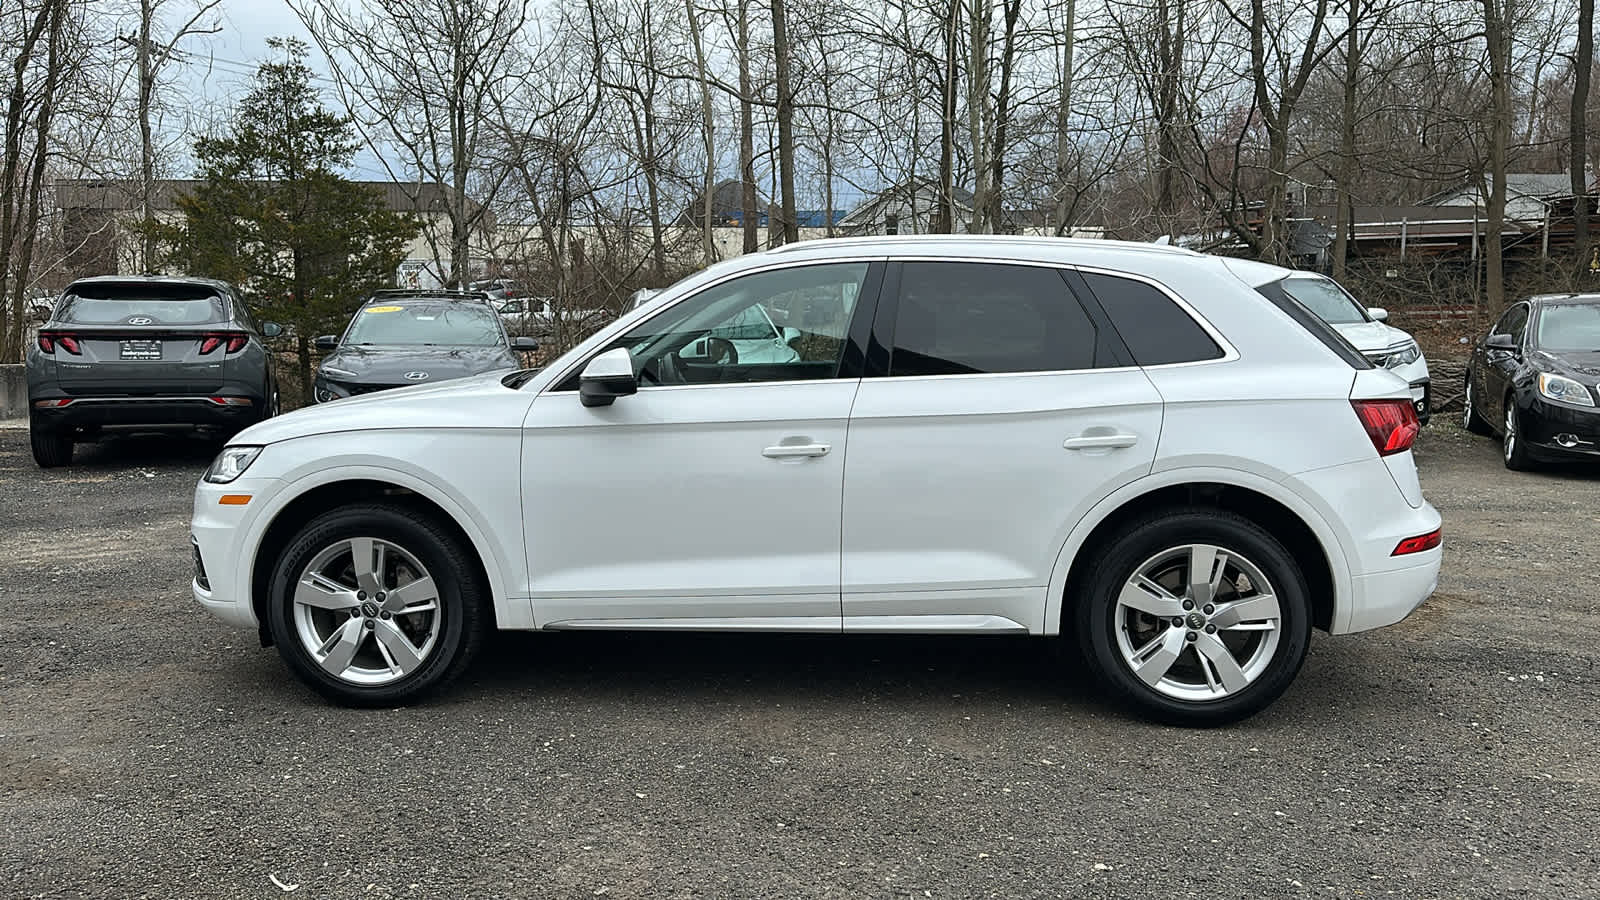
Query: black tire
{"points": [[1470, 420], [52, 448], [1147, 539], [1513, 449], [463, 600]]}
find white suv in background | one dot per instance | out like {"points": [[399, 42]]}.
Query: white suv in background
{"points": [[1124, 443], [1366, 328]]}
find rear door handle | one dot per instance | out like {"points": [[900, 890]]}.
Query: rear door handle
{"points": [[1100, 441], [792, 451]]}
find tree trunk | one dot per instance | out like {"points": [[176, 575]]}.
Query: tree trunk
{"points": [[708, 129], [780, 44], [947, 137], [147, 150], [1002, 116], [1170, 15], [1496, 20], [978, 111], [1064, 120], [13, 198], [1583, 66], [1344, 216], [747, 127]]}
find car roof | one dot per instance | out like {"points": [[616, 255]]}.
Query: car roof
{"points": [[1560, 299]]}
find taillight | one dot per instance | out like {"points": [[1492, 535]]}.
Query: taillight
{"points": [[1419, 543], [50, 340], [1392, 424], [235, 341]]}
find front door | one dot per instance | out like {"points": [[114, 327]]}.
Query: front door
{"points": [[711, 498]]}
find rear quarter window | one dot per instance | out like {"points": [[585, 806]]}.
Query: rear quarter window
{"points": [[1157, 331], [1310, 321]]}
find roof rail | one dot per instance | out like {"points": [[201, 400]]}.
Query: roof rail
{"points": [[1002, 239], [426, 293]]}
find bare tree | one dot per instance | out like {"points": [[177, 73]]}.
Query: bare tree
{"points": [[153, 52], [420, 76]]}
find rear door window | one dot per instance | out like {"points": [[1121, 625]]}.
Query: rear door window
{"points": [[1157, 331], [976, 318], [152, 305]]}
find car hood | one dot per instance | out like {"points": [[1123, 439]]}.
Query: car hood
{"points": [[479, 401], [1372, 336], [1580, 365], [400, 365]]}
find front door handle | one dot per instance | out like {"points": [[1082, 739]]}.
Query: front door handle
{"points": [[792, 451], [1100, 441]]}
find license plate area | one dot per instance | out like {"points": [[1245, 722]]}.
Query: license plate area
{"points": [[141, 349]]}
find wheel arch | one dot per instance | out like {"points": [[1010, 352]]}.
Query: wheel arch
{"points": [[294, 508], [1304, 533]]}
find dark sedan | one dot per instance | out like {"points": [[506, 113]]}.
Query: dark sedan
{"points": [[398, 340], [146, 351], [1533, 380]]}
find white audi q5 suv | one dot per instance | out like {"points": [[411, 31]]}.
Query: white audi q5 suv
{"points": [[1131, 445]]}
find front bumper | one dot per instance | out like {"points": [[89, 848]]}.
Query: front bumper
{"points": [[1555, 431], [217, 531]]}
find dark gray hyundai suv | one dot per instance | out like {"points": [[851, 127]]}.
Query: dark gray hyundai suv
{"points": [[146, 351]]}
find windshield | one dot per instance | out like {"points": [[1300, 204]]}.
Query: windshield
{"points": [[1568, 327], [116, 304], [453, 324], [1327, 299]]}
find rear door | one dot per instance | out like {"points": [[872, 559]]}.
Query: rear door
{"points": [[143, 339], [1005, 410]]}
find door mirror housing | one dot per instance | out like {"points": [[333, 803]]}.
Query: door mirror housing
{"points": [[790, 335], [525, 344], [1501, 342], [1378, 313], [607, 377], [271, 329], [326, 342]]}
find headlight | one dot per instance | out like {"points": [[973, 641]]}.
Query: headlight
{"points": [[1564, 390], [231, 463], [1404, 355], [342, 373]]}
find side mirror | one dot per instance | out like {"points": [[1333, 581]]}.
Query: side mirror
{"points": [[326, 342], [790, 335], [1378, 313], [527, 344], [1500, 342], [271, 329], [607, 377]]}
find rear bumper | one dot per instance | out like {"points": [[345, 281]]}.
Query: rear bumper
{"points": [[153, 410]]}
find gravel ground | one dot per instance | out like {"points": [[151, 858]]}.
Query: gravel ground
{"points": [[145, 751]]}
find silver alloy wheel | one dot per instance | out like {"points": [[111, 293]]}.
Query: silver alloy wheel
{"points": [[1511, 430], [1466, 405], [367, 611], [1198, 622]]}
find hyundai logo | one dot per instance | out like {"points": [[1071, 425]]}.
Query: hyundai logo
{"points": [[141, 320], [416, 376]]}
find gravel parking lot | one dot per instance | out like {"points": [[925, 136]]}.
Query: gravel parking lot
{"points": [[145, 751]]}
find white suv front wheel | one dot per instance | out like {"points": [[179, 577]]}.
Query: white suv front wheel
{"points": [[1196, 616], [376, 604]]}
